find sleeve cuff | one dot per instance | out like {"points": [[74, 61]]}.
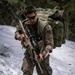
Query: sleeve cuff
{"points": [[47, 50]]}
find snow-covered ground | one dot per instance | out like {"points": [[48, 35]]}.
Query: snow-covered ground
{"points": [[62, 59]]}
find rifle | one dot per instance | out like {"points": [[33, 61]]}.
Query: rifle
{"points": [[32, 44]]}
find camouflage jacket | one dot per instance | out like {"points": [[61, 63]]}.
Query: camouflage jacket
{"points": [[46, 44]]}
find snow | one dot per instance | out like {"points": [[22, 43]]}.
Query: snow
{"points": [[62, 59]]}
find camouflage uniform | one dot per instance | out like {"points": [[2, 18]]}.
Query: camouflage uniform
{"points": [[46, 43]]}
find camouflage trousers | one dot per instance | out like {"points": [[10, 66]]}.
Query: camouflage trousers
{"points": [[28, 66]]}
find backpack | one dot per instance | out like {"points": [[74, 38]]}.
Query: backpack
{"points": [[57, 24]]}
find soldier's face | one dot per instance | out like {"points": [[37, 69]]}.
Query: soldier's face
{"points": [[32, 18]]}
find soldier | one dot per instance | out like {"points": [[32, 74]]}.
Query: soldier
{"points": [[43, 33]]}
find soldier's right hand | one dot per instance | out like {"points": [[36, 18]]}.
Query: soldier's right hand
{"points": [[20, 36]]}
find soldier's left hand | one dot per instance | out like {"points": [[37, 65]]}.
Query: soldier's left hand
{"points": [[40, 57]]}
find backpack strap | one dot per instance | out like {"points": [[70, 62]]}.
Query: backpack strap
{"points": [[41, 28]]}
